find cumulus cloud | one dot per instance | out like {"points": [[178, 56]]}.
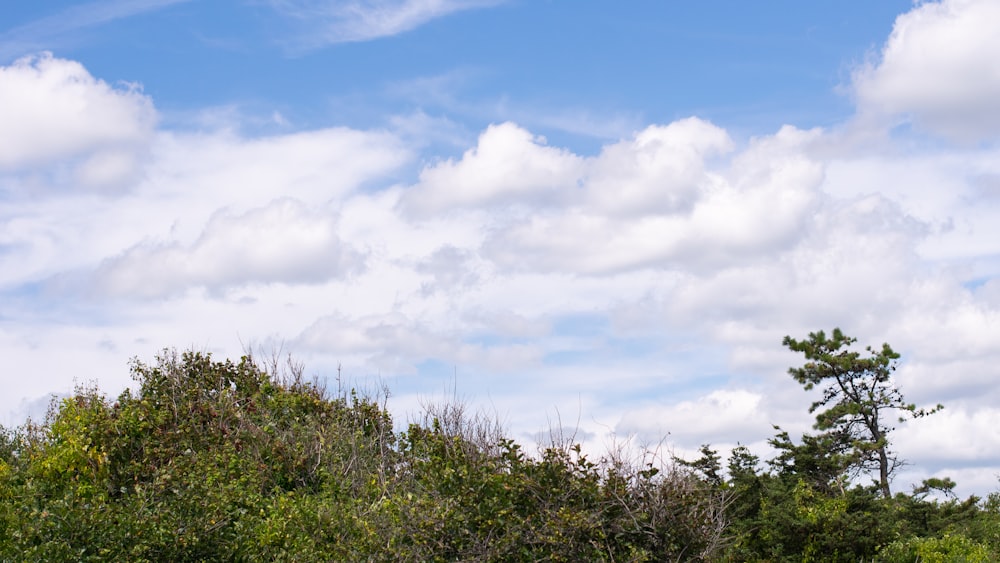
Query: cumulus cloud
{"points": [[363, 20], [508, 165], [654, 202], [53, 109], [282, 243], [660, 170], [938, 68], [186, 179]]}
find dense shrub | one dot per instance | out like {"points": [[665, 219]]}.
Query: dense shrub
{"points": [[232, 461], [212, 460]]}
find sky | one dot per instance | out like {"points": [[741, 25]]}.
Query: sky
{"points": [[590, 215]]}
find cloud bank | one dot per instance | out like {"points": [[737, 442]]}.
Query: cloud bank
{"points": [[646, 284]]}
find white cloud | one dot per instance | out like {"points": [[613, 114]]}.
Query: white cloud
{"points": [[508, 165], [970, 438], [53, 111], [653, 202], [363, 20], [186, 179], [284, 242], [315, 166], [659, 171], [722, 416], [939, 68], [450, 268]]}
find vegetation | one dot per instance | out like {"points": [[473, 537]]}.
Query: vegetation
{"points": [[856, 399], [239, 461], [223, 461]]}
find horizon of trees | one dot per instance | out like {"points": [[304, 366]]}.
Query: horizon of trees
{"points": [[247, 460]]}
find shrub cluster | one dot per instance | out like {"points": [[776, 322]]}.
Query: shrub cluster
{"points": [[222, 461]]}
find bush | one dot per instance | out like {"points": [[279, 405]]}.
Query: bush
{"points": [[216, 460], [946, 549]]}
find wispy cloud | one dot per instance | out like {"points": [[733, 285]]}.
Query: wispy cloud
{"points": [[452, 93], [363, 20], [50, 31]]}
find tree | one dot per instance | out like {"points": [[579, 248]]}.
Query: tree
{"points": [[708, 466], [858, 394]]}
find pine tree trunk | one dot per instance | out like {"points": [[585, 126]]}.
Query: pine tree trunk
{"points": [[883, 472]]}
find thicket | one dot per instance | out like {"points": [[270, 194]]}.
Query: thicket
{"points": [[223, 461], [242, 461]]}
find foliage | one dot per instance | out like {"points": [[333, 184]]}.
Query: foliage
{"points": [[808, 506], [238, 461], [212, 460], [945, 549], [858, 393]]}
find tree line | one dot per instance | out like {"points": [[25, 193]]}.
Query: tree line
{"points": [[212, 460]]}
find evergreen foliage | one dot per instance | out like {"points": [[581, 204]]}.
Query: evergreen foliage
{"points": [[857, 397]]}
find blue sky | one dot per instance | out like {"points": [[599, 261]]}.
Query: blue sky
{"points": [[562, 210], [730, 62]]}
